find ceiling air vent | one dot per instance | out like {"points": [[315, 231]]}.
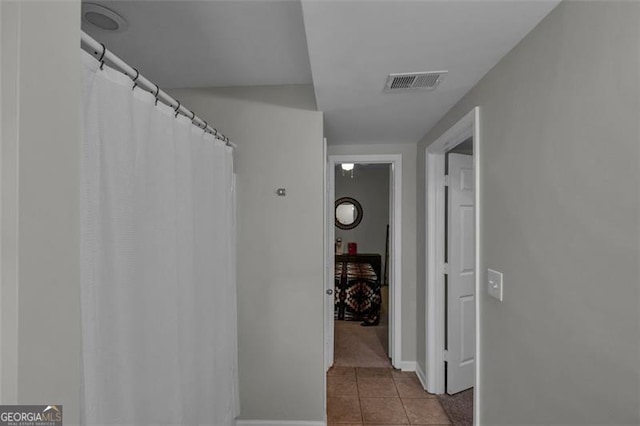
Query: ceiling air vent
{"points": [[414, 80]]}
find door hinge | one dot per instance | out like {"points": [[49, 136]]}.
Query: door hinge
{"points": [[446, 180], [445, 355], [445, 268]]}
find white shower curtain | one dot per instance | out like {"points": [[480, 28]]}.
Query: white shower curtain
{"points": [[158, 293]]}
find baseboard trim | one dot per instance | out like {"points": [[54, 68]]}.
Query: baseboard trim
{"points": [[406, 365], [278, 423], [421, 376]]}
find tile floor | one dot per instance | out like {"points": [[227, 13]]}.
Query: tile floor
{"points": [[358, 396]]}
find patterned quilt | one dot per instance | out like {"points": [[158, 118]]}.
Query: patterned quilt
{"points": [[357, 294]]}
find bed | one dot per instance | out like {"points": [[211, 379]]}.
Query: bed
{"points": [[357, 288]]}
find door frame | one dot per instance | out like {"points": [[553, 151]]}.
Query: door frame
{"points": [[395, 245], [435, 154]]}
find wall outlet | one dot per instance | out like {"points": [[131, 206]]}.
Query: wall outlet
{"points": [[494, 284]]}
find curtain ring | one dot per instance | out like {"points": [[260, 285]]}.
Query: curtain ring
{"points": [[205, 125], [193, 115], [215, 131], [104, 50], [176, 110], [157, 92], [135, 84]]}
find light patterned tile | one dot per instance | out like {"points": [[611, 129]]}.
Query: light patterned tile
{"points": [[342, 386], [373, 372], [342, 371], [383, 411], [425, 411], [403, 374], [376, 387], [411, 388], [343, 410]]}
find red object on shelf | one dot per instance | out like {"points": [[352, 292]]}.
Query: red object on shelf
{"points": [[353, 248]]}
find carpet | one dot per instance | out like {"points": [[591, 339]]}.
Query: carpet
{"points": [[357, 346], [459, 407]]}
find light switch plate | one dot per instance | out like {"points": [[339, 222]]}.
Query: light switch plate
{"points": [[494, 284]]}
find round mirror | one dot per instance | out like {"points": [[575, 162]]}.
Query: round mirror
{"points": [[348, 213]]}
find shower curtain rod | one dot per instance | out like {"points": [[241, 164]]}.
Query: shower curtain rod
{"points": [[98, 50]]}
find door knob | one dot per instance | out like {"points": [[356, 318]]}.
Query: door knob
{"points": [[329, 292]]}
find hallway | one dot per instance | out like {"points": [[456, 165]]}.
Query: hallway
{"points": [[380, 396], [364, 389], [182, 153]]}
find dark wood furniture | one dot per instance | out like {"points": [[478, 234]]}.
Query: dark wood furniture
{"points": [[373, 259]]}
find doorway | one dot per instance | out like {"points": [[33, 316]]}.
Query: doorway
{"points": [[392, 271], [452, 266], [361, 284]]}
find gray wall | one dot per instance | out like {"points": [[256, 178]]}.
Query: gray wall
{"points": [[560, 217], [280, 245], [40, 143], [370, 187], [408, 152]]}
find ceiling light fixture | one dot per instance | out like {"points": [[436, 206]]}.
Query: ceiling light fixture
{"points": [[347, 167], [102, 18]]}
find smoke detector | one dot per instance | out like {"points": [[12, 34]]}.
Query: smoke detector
{"points": [[100, 17], [414, 80]]}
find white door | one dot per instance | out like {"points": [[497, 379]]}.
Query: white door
{"points": [[329, 251], [461, 340]]}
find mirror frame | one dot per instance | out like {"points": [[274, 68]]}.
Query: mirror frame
{"points": [[358, 207]]}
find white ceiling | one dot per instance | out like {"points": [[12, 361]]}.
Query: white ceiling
{"points": [[354, 45], [211, 43], [347, 46]]}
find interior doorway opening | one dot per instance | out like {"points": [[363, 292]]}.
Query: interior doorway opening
{"points": [[361, 256], [452, 266], [368, 257]]}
